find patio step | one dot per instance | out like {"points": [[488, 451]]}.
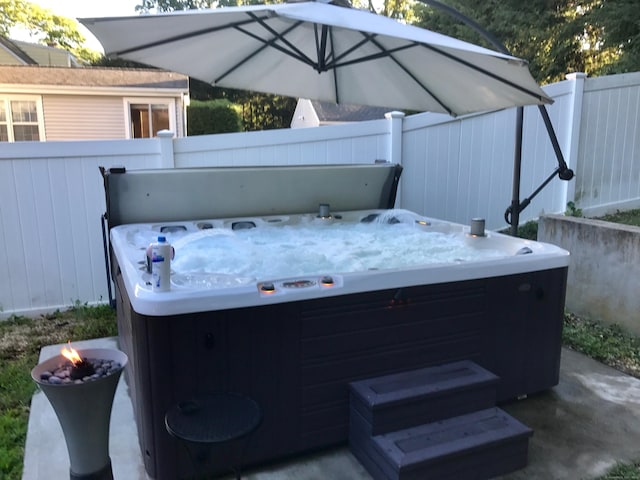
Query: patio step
{"points": [[434, 423], [407, 399], [475, 446]]}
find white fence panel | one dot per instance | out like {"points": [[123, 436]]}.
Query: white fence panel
{"points": [[364, 142], [608, 174], [51, 201], [463, 168]]}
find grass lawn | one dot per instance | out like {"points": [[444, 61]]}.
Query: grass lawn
{"points": [[628, 217], [20, 342], [21, 339]]}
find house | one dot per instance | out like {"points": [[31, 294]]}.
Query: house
{"points": [[312, 113], [46, 95]]}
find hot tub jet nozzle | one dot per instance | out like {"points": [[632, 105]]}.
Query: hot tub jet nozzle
{"points": [[324, 211], [477, 227]]}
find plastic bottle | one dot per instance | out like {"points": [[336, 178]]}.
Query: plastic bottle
{"points": [[161, 253]]}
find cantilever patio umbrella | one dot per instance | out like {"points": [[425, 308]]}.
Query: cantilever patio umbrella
{"points": [[323, 51]]}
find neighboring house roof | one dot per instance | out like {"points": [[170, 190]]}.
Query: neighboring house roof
{"points": [[16, 52], [312, 113], [11, 54], [25, 75]]}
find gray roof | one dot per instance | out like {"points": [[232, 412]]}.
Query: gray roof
{"points": [[331, 112], [18, 52], [92, 77], [15, 54]]}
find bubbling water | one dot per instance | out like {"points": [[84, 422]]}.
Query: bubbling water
{"points": [[313, 248]]}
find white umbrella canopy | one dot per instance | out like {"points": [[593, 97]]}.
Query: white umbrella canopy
{"points": [[324, 52]]}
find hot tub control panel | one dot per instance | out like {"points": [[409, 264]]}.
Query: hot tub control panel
{"points": [[292, 285]]}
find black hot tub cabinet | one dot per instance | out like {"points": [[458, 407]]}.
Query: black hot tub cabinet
{"points": [[295, 353]]}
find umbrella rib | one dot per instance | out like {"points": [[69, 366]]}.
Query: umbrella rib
{"points": [[294, 52], [382, 54], [336, 64], [321, 45], [336, 88], [280, 36], [485, 72], [184, 36], [389, 53], [354, 47]]}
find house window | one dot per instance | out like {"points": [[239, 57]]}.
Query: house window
{"points": [[147, 119], [20, 120]]}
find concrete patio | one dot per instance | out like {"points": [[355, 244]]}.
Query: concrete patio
{"points": [[582, 427]]}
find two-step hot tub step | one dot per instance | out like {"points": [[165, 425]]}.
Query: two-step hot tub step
{"points": [[438, 422], [477, 445]]}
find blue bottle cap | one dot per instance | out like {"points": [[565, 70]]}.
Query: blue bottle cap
{"points": [[162, 239]]}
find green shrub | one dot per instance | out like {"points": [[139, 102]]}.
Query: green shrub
{"points": [[529, 230], [628, 217], [212, 116], [572, 210], [623, 472]]}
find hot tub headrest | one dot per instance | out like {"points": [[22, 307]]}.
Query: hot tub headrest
{"points": [[140, 196]]}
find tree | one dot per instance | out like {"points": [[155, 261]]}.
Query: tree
{"points": [[530, 30], [398, 9], [556, 36], [43, 26], [148, 6], [617, 32]]}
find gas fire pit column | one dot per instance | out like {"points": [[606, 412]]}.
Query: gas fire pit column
{"points": [[83, 407]]}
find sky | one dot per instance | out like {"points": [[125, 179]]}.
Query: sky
{"points": [[88, 8]]}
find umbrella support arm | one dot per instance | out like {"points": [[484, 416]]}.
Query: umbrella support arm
{"points": [[512, 214], [520, 206], [564, 172]]}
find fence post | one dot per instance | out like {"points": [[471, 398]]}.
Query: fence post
{"points": [[572, 139], [394, 153], [167, 160], [394, 146]]}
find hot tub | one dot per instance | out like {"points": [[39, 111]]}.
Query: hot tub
{"points": [[293, 334]]}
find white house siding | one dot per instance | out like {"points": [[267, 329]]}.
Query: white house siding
{"points": [[72, 117]]}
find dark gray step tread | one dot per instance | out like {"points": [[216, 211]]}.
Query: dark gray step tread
{"points": [[454, 436], [415, 397], [396, 389], [493, 461]]}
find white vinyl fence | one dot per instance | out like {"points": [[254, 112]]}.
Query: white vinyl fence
{"points": [[52, 197]]}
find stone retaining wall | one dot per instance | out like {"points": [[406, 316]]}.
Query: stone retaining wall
{"points": [[604, 272]]}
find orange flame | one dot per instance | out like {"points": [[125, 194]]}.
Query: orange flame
{"points": [[71, 354]]}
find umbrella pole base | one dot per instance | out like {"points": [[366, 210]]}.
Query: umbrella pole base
{"points": [[105, 473]]}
